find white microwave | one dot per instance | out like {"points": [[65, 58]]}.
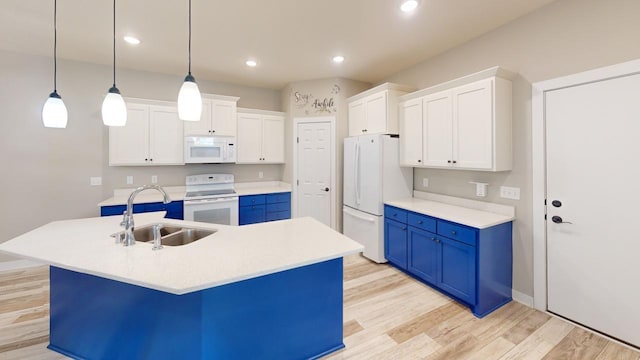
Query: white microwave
{"points": [[209, 149]]}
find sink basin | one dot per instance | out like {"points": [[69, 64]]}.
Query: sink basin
{"points": [[185, 236], [170, 235]]}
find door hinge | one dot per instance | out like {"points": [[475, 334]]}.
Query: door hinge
{"points": [[545, 201], [545, 216], [298, 140], [298, 182]]}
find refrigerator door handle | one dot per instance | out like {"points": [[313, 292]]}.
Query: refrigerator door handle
{"points": [[357, 174], [356, 215]]}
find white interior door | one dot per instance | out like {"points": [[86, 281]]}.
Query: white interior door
{"points": [[593, 172], [314, 171]]}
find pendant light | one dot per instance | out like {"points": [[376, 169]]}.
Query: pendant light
{"points": [[189, 98], [54, 113], [114, 110]]}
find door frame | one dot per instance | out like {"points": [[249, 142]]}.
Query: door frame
{"points": [[331, 120], [539, 165]]}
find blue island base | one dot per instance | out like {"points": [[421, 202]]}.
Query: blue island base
{"points": [[293, 314]]}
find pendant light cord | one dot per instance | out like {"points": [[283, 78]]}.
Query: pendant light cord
{"points": [[189, 37], [55, 44], [114, 43]]}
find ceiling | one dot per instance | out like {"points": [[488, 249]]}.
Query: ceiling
{"points": [[292, 40]]}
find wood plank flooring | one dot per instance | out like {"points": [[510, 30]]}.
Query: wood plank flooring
{"points": [[387, 315]]}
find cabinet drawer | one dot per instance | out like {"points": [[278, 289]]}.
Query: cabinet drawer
{"points": [[279, 215], [251, 214], [420, 221], [252, 200], [278, 207], [396, 214], [278, 198], [457, 232]]}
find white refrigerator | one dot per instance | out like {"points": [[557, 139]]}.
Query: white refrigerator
{"points": [[372, 175]]}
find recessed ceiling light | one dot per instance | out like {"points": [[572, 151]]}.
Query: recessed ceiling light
{"points": [[251, 63], [409, 5], [132, 40], [338, 59]]}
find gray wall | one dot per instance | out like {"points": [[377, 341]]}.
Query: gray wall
{"points": [[565, 37], [45, 172]]}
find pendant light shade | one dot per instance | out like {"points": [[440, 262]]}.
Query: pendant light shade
{"points": [[54, 113], [189, 98], [114, 110]]}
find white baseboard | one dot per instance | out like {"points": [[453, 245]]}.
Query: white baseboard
{"points": [[17, 265], [522, 298]]}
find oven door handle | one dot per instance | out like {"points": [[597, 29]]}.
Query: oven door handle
{"points": [[211, 201]]}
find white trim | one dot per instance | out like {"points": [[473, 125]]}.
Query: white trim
{"points": [[539, 163], [522, 298], [259, 112], [294, 187], [17, 265]]}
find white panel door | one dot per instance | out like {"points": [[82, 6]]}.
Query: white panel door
{"points": [[370, 174], [249, 148], [165, 136], [314, 171], [593, 172], [437, 130], [223, 118], [129, 144], [376, 113], [273, 139], [472, 125], [357, 119], [202, 127], [349, 174], [411, 133]]}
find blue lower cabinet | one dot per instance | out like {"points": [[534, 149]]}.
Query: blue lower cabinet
{"points": [[174, 209], [471, 265], [395, 245], [252, 214], [423, 255], [267, 207]]}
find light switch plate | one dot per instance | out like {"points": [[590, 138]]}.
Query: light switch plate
{"points": [[425, 182], [508, 192], [260, 174], [95, 181], [129, 180], [154, 179]]}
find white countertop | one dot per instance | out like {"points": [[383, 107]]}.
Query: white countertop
{"points": [[232, 254], [177, 193], [465, 215]]}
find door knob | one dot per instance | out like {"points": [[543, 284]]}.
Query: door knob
{"points": [[558, 220], [556, 203], [325, 189]]}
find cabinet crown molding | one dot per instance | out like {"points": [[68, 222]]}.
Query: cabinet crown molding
{"points": [[495, 71], [379, 88], [260, 112]]}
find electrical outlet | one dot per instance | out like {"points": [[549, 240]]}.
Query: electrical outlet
{"points": [[95, 181], [129, 180], [425, 182], [260, 174], [154, 179], [510, 192]]}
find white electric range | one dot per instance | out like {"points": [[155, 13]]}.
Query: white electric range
{"points": [[211, 198]]}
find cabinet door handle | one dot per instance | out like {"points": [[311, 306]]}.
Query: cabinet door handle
{"points": [[150, 159], [454, 161], [213, 131], [419, 222], [437, 241], [453, 232], [404, 228], [395, 214], [433, 239], [449, 161], [419, 160], [146, 159]]}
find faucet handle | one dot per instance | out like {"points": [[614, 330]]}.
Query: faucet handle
{"points": [[157, 243]]}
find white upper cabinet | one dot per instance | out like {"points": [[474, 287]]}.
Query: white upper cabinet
{"points": [[466, 123], [375, 110], [218, 117], [152, 136], [411, 133], [260, 137]]}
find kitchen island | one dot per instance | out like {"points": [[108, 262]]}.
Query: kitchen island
{"points": [[268, 291]]}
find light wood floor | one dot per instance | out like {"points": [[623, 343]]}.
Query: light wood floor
{"points": [[387, 315]]}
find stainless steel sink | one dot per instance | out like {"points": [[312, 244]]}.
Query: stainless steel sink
{"points": [[170, 235], [185, 236]]}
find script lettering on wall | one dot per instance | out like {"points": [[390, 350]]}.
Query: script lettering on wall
{"points": [[312, 105]]}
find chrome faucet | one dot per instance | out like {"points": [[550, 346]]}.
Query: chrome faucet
{"points": [[127, 221]]}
